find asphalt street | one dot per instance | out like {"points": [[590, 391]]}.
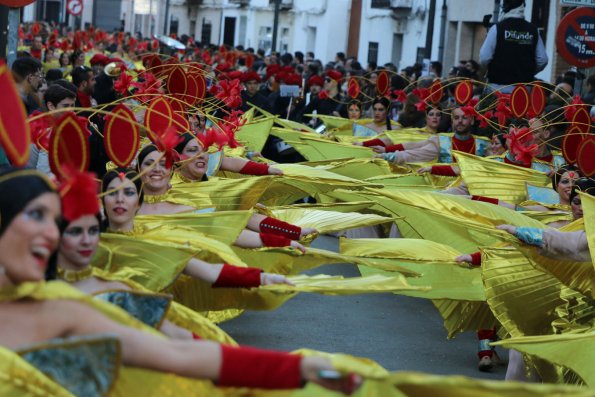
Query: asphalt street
{"points": [[399, 332]]}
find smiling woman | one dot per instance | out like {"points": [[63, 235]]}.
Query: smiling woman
{"points": [[29, 216]]}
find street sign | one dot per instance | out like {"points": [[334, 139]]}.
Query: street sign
{"points": [[580, 3], [575, 37], [74, 7]]}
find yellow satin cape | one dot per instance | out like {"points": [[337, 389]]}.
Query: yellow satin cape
{"points": [[486, 177], [222, 194]]}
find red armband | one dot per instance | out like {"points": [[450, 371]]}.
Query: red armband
{"points": [[254, 168], [373, 142], [275, 226], [443, 170], [196, 337], [485, 199], [395, 148], [262, 369], [237, 277], [272, 240], [476, 258]]}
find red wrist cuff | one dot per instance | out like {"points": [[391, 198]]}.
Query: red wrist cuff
{"points": [[238, 277], [196, 337], [374, 142], [277, 227], [272, 240], [485, 199], [395, 148], [444, 170], [253, 168], [256, 368], [476, 258]]}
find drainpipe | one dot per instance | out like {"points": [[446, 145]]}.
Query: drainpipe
{"points": [[442, 31], [275, 25], [430, 31], [496, 10]]}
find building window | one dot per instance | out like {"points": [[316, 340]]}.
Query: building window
{"points": [[174, 24], [372, 52], [265, 38], [205, 34], [380, 4]]}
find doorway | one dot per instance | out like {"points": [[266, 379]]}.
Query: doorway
{"points": [[229, 31]]}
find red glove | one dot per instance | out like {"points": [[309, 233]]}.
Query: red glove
{"points": [[277, 227], [237, 277], [253, 168], [476, 258], [373, 142], [395, 148], [444, 170], [256, 368], [485, 199], [272, 240]]}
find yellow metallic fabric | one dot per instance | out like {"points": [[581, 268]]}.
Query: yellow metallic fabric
{"points": [[486, 177]]}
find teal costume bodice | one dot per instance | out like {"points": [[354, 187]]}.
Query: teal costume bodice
{"points": [[85, 366], [151, 309]]}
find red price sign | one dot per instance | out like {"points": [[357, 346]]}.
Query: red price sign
{"points": [[74, 7], [575, 37]]}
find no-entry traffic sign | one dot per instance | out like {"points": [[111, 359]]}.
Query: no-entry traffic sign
{"points": [[74, 7], [575, 37]]}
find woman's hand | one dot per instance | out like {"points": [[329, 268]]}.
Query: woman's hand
{"points": [[307, 230], [358, 143], [424, 170], [466, 258], [272, 278], [379, 149], [507, 228], [299, 246], [311, 368], [275, 171]]}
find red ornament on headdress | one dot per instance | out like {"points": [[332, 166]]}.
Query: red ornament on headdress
{"points": [[519, 142], [78, 191]]}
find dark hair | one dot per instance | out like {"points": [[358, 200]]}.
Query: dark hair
{"points": [[384, 101], [508, 5], [56, 93], [65, 84], [185, 139], [53, 75], [25, 66], [561, 171], [437, 67], [502, 138], [355, 102], [144, 153], [585, 185], [17, 188], [591, 81], [129, 174], [75, 54], [81, 74], [341, 56]]}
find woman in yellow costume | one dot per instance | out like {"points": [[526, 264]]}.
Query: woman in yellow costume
{"points": [[384, 144], [156, 176], [30, 213], [124, 197], [80, 239]]}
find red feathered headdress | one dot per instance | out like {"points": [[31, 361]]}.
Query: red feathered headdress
{"points": [[78, 191]]}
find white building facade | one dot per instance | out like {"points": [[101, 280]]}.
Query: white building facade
{"points": [[389, 30]]}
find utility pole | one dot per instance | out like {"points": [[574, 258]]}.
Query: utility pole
{"points": [[276, 24], [442, 32]]}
